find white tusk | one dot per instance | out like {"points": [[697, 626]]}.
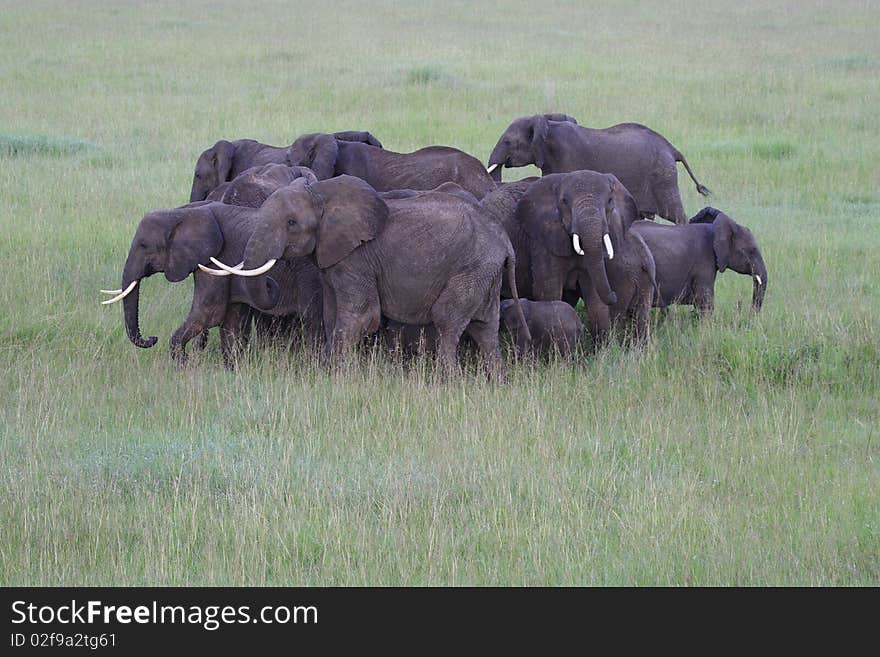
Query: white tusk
{"points": [[576, 243], [492, 168], [245, 272], [218, 272], [112, 291], [608, 247], [122, 295], [760, 282]]}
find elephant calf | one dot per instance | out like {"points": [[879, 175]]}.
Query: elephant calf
{"points": [[689, 257], [554, 327]]}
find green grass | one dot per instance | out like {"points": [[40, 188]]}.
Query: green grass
{"points": [[737, 450]]}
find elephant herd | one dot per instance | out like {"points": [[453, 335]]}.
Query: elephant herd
{"points": [[334, 239]]}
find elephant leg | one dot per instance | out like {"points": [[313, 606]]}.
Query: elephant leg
{"points": [[668, 199], [485, 334], [357, 314], [194, 325], [234, 333], [704, 301], [201, 342]]}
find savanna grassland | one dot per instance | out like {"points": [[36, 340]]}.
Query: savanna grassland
{"points": [[738, 450]]}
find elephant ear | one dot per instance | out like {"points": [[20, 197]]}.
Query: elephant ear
{"points": [[722, 243], [191, 240], [352, 213], [557, 116], [221, 157], [322, 156], [361, 136], [705, 216], [540, 129], [624, 208], [539, 216]]}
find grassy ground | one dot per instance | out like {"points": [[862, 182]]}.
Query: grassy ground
{"points": [[733, 451]]}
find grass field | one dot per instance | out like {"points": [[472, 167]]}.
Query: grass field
{"points": [[738, 450]]}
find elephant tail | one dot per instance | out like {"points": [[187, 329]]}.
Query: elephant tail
{"points": [[510, 264], [680, 158]]}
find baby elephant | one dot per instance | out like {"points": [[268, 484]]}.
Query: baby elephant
{"points": [[689, 257], [554, 326]]}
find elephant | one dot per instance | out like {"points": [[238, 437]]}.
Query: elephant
{"points": [[429, 258], [385, 170], [563, 227], [688, 258], [181, 241], [554, 327], [643, 160], [227, 159]]}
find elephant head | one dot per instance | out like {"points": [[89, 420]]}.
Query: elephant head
{"points": [[169, 241], [571, 216], [212, 169], [316, 151], [523, 143], [736, 248], [330, 219]]}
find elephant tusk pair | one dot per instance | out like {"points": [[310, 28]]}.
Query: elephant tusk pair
{"points": [[120, 294], [576, 243], [219, 272], [492, 168], [237, 270]]}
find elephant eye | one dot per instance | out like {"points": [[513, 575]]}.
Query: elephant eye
{"points": [[291, 222]]}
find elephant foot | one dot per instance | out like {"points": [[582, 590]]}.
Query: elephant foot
{"points": [[201, 341]]}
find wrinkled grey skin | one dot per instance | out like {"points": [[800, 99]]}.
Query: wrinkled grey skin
{"points": [[177, 241], [554, 327], [227, 159], [643, 160], [431, 258], [546, 214], [387, 171], [688, 258]]}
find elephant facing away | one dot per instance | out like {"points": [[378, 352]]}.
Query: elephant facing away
{"points": [[385, 170], [688, 258], [642, 159], [225, 160], [427, 259], [178, 242], [571, 236]]}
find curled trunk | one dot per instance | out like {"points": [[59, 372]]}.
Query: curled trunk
{"points": [[497, 157]]}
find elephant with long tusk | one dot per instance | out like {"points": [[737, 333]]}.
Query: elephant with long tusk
{"points": [[184, 240]]}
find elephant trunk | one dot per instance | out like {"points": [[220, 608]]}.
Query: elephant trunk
{"points": [[130, 306], [759, 283], [199, 191], [498, 157], [262, 291], [591, 227]]}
